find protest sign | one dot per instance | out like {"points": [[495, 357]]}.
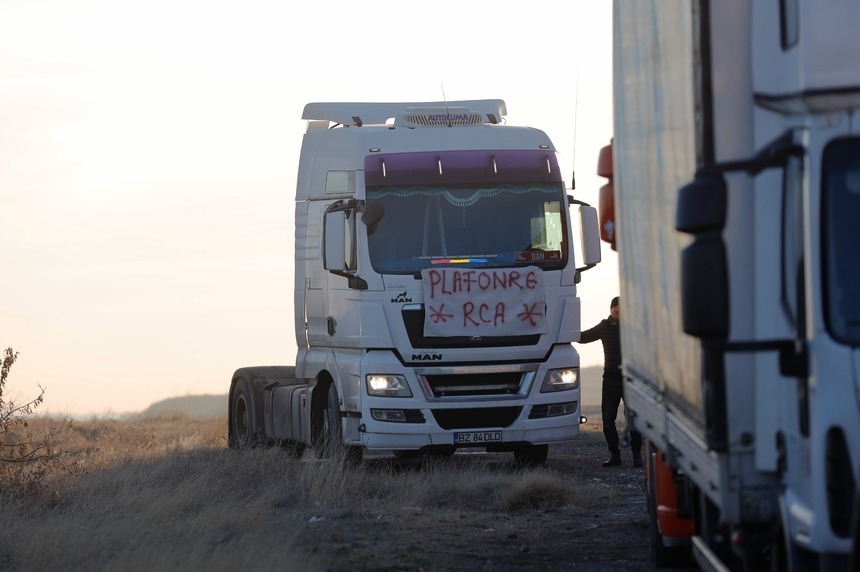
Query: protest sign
{"points": [[483, 301]]}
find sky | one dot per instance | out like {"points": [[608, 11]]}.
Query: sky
{"points": [[148, 159]]}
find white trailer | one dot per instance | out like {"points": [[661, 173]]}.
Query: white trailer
{"points": [[736, 174], [435, 288]]}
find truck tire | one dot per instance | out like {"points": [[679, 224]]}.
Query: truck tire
{"points": [[330, 440], [243, 433], [531, 455]]}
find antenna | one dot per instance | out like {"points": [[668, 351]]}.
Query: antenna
{"points": [[445, 99], [575, 117]]}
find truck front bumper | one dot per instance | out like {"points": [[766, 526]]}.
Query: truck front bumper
{"points": [[435, 418]]}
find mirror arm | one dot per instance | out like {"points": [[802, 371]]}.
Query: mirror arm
{"points": [[353, 281], [573, 201]]}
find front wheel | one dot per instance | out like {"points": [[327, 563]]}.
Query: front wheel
{"points": [[330, 439]]}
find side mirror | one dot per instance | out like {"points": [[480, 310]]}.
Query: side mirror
{"points": [[589, 229], [705, 289], [701, 212], [334, 241]]}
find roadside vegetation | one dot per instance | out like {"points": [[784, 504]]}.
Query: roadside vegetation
{"points": [[26, 456], [165, 492]]}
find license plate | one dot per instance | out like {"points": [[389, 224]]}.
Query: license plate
{"points": [[474, 437]]}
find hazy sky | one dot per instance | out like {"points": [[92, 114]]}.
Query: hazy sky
{"points": [[148, 156]]}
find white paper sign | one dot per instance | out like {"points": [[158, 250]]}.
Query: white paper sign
{"points": [[483, 301]]}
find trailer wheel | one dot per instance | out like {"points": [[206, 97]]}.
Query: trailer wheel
{"points": [[531, 455], [243, 423]]}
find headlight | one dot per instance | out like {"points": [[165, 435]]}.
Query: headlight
{"points": [[384, 385], [560, 380]]}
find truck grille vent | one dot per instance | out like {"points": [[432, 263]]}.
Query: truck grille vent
{"points": [[505, 383], [840, 483], [484, 418], [413, 320]]}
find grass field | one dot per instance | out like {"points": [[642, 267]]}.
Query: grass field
{"points": [[166, 493]]}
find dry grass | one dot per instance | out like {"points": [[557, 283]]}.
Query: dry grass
{"points": [[166, 493]]}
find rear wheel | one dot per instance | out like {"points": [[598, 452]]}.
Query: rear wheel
{"points": [[531, 455], [243, 423]]}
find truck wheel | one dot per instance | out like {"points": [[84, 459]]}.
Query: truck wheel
{"points": [[330, 440], [330, 435], [243, 423], [531, 455]]}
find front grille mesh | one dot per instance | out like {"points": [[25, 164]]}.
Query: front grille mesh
{"points": [[505, 383]]}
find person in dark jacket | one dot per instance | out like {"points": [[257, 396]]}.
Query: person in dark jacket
{"points": [[608, 331]]}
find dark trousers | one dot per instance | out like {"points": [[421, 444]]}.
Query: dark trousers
{"points": [[613, 393]]}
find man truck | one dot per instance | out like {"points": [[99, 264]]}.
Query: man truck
{"points": [[435, 289], [735, 207]]}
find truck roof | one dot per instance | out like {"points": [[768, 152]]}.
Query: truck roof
{"points": [[417, 128]]}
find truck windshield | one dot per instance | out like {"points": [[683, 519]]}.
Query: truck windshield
{"points": [[840, 237], [503, 225]]}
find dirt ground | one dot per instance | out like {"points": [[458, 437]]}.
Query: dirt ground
{"points": [[606, 530]]}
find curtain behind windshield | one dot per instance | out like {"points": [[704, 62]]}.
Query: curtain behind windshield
{"points": [[486, 226]]}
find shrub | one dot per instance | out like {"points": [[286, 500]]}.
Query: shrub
{"points": [[25, 459]]}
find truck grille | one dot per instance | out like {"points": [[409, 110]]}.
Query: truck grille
{"points": [[413, 320], [450, 385], [486, 417]]}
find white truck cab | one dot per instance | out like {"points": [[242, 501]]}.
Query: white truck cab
{"points": [[435, 289]]}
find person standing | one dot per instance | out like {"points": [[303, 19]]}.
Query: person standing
{"points": [[608, 331]]}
